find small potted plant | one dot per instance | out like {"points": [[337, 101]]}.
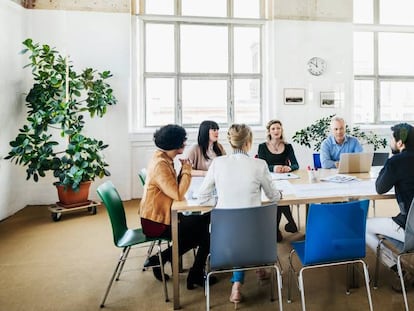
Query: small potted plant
{"points": [[52, 138], [313, 135]]}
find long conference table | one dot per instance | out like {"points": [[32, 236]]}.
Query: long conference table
{"points": [[297, 189]]}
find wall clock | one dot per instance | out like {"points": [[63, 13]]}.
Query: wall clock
{"points": [[316, 66]]}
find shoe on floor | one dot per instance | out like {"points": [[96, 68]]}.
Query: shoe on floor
{"points": [[262, 274], [291, 227], [396, 282], [157, 274], [152, 261], [196, 280]]}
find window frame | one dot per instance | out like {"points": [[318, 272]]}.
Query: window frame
{"points": [[376, 28], [230, 76]]}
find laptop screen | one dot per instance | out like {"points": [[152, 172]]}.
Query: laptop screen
{"points": [[355, 162]]}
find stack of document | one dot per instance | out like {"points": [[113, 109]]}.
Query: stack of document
{"points": [[340, 178]]}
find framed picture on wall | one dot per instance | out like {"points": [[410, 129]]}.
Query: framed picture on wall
{"points": [[329, 100], [294, 96]]}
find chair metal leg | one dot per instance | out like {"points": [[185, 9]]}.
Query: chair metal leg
{"points": [[279, 288], [400, 273], [377, 264], [121, 259], [162, 271], [364, 265], [149, 252], [348, 279], [291, 272], [123, 263], [207, 291], [302, 289]]}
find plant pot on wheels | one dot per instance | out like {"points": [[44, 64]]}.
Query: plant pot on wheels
{"points": [[69, 198]]}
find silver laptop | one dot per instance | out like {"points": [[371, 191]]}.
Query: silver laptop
{"points": [[355, 162]]}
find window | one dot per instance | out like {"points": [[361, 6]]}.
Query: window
{"points": [[201, 59], [383, 61]]}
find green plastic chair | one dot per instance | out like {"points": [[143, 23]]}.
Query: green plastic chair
{"points": [[123, 237], [142, 174]]}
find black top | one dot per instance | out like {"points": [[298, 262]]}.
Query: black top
{"points": [[287, 157], [398, 172]]}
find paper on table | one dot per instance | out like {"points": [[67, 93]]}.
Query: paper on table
{"points": [[283, 185], [339, 178], [281, 176], [192, 192], [357, 187]]}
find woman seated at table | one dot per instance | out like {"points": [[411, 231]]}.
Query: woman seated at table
{"points": [[206, 149], [162, 186], [280, 158], [237, 179]]}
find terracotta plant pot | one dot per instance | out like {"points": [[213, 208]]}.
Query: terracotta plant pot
{"points": [[69, 198]]}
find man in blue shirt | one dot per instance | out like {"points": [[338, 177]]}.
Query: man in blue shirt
{"points": [[338, 142]]}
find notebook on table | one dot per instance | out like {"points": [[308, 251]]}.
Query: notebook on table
{"points": [[355, 162]]}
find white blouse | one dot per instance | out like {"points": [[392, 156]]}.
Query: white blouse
{"points": [[237, 181]]}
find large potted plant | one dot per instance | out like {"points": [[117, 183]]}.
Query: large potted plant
{"points": [[52, 138], [313, 135]]}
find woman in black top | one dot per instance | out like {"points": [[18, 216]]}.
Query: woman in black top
{"points": [[280, 158]]}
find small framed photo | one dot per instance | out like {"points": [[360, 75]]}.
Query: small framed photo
{"points": [[329, 100], [294, 96]]}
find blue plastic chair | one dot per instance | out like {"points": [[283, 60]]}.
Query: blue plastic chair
{"points": [[401, 249], [244, 239], [335, 235], [317, 160]]}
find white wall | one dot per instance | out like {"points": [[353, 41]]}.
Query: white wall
{"points": [[295, 43], [100, 41], [91, 39], [12, 25]]}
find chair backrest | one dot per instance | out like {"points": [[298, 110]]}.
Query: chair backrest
{"points": [[380, 158], [243, 237], [317, 160], [409, 230], [142, 174], [113, 203], [335, 232]]}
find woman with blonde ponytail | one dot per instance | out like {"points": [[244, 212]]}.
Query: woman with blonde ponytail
{"points": [[237, 180]]}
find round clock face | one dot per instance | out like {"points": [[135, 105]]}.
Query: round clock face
{"points": [[316, 66]]}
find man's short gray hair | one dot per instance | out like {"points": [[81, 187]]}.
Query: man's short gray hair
{"points": [[337, 119]]}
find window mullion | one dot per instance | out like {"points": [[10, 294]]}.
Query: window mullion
{"points": [[230, 94], [178, 80], [377, 89]]}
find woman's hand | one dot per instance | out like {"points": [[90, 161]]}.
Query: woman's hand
{"points": [[185, 161], [281, 169], [286, 169], [277, 168]]}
